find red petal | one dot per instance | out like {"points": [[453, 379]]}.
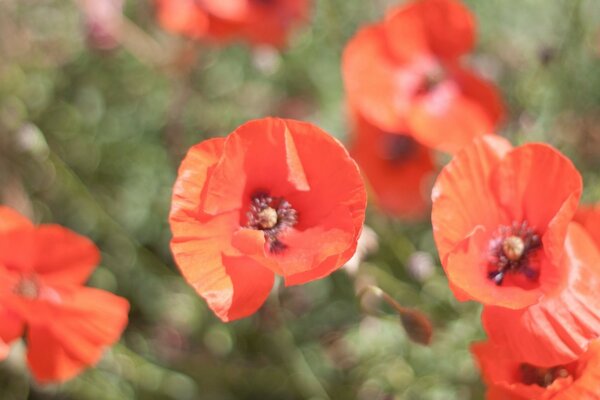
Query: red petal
{"points": [[589, 218], [467, 269], [251, 285], [248, 165], [444, 27], [62, 256], [11, 219], [447, 120], [401, 187], [11, 328], [559, 328], [182, 16], [462, 197], [521, 183], [74, 332], [370, 74]]}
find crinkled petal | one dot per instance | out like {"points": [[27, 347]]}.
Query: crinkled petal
{"points": [[462, 197], [589, 217], [559, 328]]}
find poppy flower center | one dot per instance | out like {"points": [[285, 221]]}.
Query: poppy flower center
{"points": [[511, 250], [431, 79], [397, 147], [544, 377], [28, 288], [273, 216]]}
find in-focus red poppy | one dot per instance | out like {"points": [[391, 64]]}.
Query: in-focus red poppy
{"points": [[274, 197], [589, 217], [397, 168], [42, 271], [500, 216], [405, 71], [510, 379], [257, 21], [559, 328]]}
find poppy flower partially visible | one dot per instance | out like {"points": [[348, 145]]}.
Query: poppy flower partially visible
{"points": [[559, 328], [42, 272], [397, 168], [274, 197], [498, 228], [404, 73], [589, 217], [510, 379], [257, 21]]}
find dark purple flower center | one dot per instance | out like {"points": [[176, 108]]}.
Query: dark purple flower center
{"points": [[397, 147], [544, 377], [272, 215], [511, 250]]}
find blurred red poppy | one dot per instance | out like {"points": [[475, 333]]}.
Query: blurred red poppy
{"points": [[274, 197], [397, 168], [510, 379], [498, 228], [404, 72], [42, 272], [257, 21], [589, 217], [557, 329]]}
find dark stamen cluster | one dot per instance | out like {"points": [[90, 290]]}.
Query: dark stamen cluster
{"points": [[510, 252], [272, 215], [398, 147], [543, 377]]}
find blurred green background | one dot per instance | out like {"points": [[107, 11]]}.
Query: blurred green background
{"points": [[91, 139]]}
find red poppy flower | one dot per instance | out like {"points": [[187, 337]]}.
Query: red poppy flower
{"points": [[42, 272], [510, 379], [589, 217], [404, 72], [498, 228], [559, 328], [274, 197], [257, 21], [397, 168]]}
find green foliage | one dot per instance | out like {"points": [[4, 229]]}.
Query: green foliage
{"points": [[92, 139]]}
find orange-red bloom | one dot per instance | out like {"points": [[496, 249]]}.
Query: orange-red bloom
{"points": [[404, 72], [274, 197], [257, 21], [500, 216], [510, 379], [42, 272], [398, 169]]}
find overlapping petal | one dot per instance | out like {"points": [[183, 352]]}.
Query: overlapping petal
{"points": [[506, 381], [560, 326]]}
